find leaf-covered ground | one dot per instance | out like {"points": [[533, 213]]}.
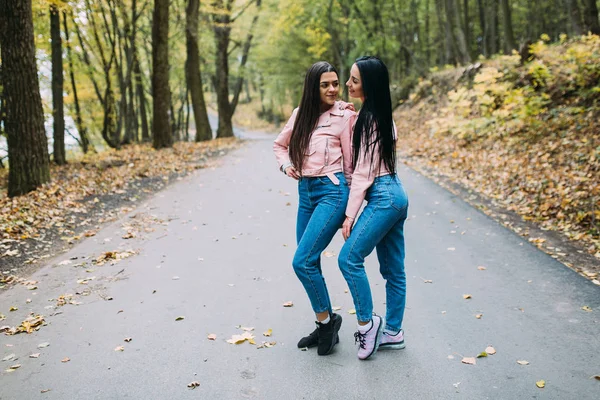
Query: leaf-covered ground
{"points": [[524, 136], [86, 193]]}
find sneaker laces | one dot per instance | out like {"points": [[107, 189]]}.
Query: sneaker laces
{"points": [[360, 338]]}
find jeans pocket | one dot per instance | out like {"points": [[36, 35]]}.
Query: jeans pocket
{"points": [[398, 197]]}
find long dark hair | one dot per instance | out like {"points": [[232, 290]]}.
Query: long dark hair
{"points": [[374, 124], [308, 113]]}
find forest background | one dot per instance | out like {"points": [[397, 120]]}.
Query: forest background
{"points": [[500, 96]]}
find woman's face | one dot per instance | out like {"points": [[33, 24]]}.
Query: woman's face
{"points": [[354, 84], [329, 87]]}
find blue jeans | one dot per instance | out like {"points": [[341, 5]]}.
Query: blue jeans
{"points": [[321, 212], [381, 227]]}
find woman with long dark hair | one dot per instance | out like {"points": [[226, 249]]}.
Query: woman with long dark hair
{"points": [[315, 149], [380, 226]]}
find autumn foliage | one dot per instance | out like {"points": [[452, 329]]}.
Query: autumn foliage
{"points": [[524, 134]]}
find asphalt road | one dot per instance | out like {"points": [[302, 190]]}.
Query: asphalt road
{"points": [[216, 248]]}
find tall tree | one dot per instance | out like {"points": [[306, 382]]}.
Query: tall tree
{"points": [[458, 39], [24, 120], [58, 113], [84, 141], [509, 38], [193, 73], [575, 16], [590, 17], [222, 22], [160, 76]]}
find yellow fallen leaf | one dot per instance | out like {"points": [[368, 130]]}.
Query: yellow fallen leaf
{"points": [[336, 308], [212, 336], [269, 332], [65, 360], [469, 360], [247, 329], [541, 384], [13, 308], [586, 308], [481, 268], [352, 311], [478, 316], [522, 362], [466, 296], [490, 350], [482, 354], [119, 348], [288, 304], [328, 254]]}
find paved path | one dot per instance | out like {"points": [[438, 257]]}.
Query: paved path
{"points": [[227, 234]]}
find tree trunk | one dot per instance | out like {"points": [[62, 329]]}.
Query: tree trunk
{"points": [[58, 112], [24, 120], [222, 30], [482, 43], [427, 36], [193, 73], [509, 39], [139, 88], [161, 94], [492, 27], [590, 17], [457, 34], [81, 129], [445, 50], [466, 25], [575, 17]]}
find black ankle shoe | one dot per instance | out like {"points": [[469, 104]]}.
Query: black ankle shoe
{"points": [[312, 340], [328, 334]]}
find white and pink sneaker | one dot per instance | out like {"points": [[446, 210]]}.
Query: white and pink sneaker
{"points": [[368, 341], [389, 341]]}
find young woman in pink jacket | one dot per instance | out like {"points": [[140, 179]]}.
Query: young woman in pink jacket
{"points": [[314, 148], [380, 226]]}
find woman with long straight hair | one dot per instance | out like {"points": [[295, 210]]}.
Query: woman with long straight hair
{"points": [[315, 149], [380, 226]]}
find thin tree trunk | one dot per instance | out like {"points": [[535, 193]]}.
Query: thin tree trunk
{"points": [[457, 34], [466, 25], [590, 17], [193, 73], [222, 31], [139, 88], [575, 17], [445, 50], [24, 120], [161, 94], [81, 129], [483, 43], [509, 39], [58, 111]]}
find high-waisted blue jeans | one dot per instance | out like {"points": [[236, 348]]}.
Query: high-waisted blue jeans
{"points": [[321, 212], [380, 226]]}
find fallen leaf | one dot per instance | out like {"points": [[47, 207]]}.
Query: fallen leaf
{"points": [[352, 311], [481, 268], [128, 339], [427, 280], [269, 332], [193, 385], [482, 354], [586, 308], [65, 360], [288, 304], [179, 318], [10, 357], [336, 308], [478, 316], [16, 366], [451, 248], [31, 287], [119, 348], [596, 377], [13, 308], [266, 345], [212, 336], [469, 360], [45, 390], [34, 355], [522, 362], [541, 384], [43, 345], [247, 329], [490, 350], [238, 339], [466, 296], [328, 254]]}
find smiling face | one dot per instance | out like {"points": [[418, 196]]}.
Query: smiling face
{"points": [[354, 84], [329, 88]]}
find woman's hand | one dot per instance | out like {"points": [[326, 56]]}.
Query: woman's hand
{"points": [[349, 106], [292, 173], [347, 227]]}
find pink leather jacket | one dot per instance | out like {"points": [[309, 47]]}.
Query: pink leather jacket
{"points": [[330, 147]]}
